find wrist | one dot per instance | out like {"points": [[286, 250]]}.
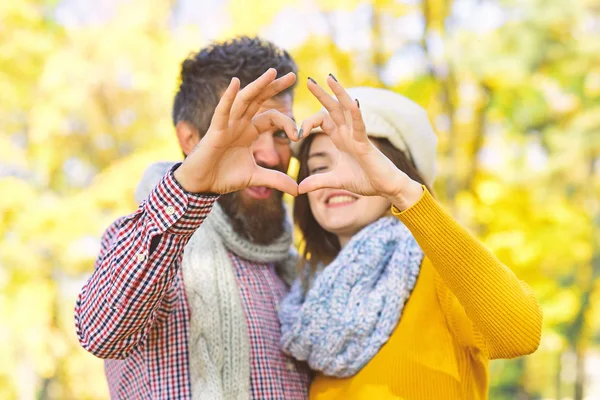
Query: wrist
{"points": [[408, 196], [189, 183]]}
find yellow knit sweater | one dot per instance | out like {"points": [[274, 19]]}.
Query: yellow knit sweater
{"points": [[466, 309]]}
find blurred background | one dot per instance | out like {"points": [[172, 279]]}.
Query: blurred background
{"points": [[512, 89]]}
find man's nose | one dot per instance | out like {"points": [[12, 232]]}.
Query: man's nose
{"points": [[264, 151]]}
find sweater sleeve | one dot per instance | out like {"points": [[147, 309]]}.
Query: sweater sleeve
{"points": [[502, 308]]}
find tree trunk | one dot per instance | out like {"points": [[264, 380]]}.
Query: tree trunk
{"points": [[558, 377], [579, 372], [377, 48], [447, 91]]}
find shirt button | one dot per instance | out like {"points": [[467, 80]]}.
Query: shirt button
{"points": [[290, 366], [141, 257], [170, 210]]}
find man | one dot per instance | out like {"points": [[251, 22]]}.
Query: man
{"points": [[202, 323]]}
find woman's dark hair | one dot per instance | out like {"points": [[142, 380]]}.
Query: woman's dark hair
{"points": [[320, 246]]}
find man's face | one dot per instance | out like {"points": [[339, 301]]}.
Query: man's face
{"points": [[257, 213]]}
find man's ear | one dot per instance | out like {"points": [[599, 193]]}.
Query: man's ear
{"points": [[187, 135]]}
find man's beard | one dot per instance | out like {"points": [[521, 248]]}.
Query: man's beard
{"points": [[259, 221]]}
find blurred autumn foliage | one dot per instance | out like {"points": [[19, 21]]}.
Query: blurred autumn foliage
{"points": [[512, 88]]}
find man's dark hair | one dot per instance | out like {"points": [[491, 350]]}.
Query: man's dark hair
{"points": [[205, 75]]}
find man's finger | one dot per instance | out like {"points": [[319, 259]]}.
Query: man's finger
{"points": [[272, 90], [250, 92], [319, 181], [220, 119], [274, 119], [277, 86], [275, 180]]}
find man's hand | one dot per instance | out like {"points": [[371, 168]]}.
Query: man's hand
{"points": [[223, 162]]}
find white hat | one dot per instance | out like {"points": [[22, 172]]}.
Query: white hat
{"points": [[403, 122]]}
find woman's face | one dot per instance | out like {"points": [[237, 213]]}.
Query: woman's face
{"points": [[338, 211]]}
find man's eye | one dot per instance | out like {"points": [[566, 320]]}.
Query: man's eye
{"points": [[280, 135]]}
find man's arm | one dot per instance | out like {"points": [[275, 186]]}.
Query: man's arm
{"points": [[142, 253], [139, 258]]}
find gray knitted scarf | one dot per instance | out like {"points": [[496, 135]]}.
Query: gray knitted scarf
{"points": [[218, 343], [354, 304]]}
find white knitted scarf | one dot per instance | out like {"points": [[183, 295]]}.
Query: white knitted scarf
{"points": [[218, 346]]}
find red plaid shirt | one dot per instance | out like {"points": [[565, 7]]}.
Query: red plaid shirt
{"points": [[133, 311]]}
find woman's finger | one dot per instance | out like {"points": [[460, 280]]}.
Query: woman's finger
{"points": [[274, 179], [340, 93], [321, 120], [351, 107], [359, 130], [331, 105], [319, 181]]}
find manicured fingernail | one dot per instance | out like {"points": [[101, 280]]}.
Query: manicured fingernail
{"points": [[312, 80], [331, 75], [357, 103], [300, 133]]}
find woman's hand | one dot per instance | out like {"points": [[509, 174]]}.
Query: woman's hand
{"points": [[361, 168]]}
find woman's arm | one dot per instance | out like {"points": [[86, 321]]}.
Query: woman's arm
{"points": [[502, 308]]}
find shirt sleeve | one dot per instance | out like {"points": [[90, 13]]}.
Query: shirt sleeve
{"points": [[138, 261]]}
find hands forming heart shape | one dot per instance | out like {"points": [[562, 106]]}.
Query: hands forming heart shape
{"points": [[222, 162]]}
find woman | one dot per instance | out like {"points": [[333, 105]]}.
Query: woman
{"points": [[410, 305]]}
